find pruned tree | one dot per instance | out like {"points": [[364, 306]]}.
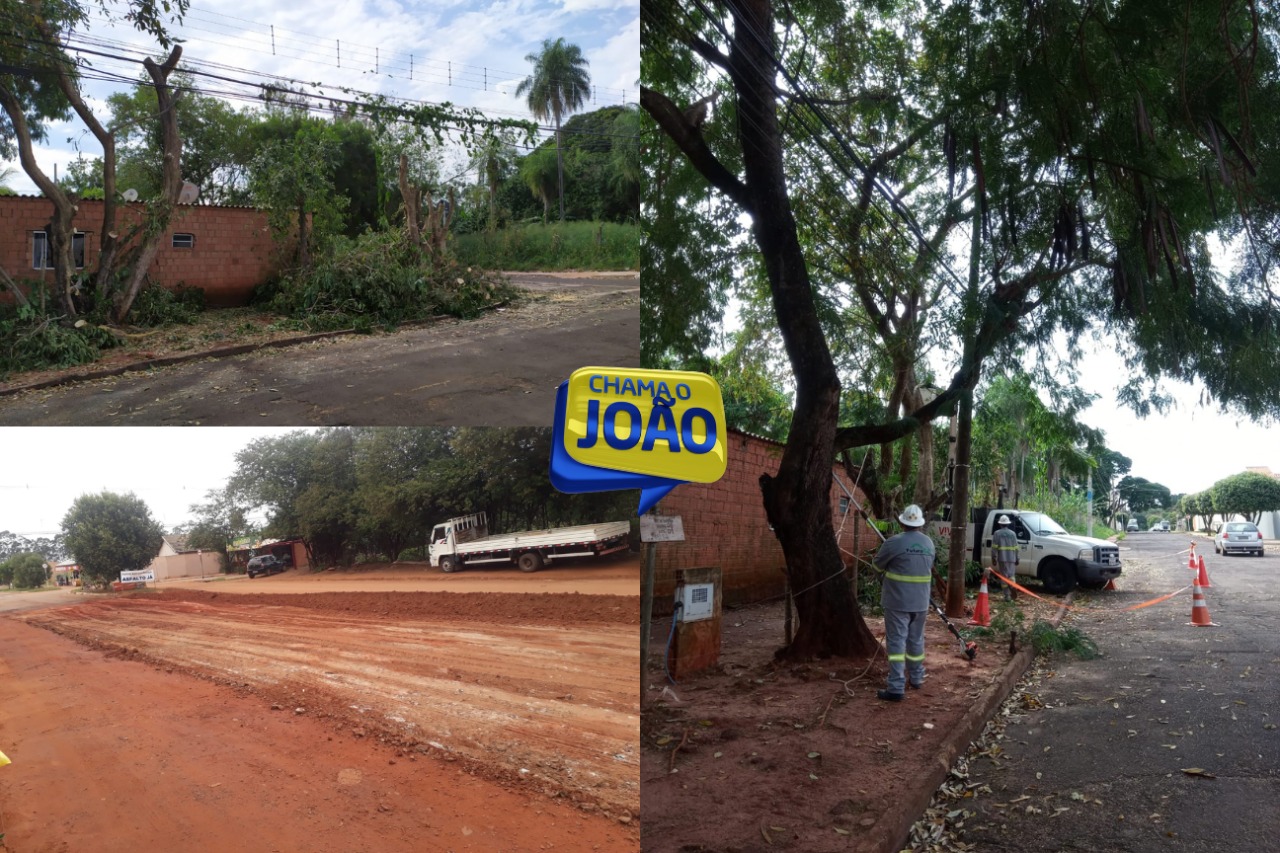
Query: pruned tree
{"points": [[38, 82]]}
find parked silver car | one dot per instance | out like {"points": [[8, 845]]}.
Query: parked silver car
{"points": [[1238, 536]]}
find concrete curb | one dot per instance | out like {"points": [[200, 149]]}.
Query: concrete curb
{"points": [[169, 360], [892, 832]]}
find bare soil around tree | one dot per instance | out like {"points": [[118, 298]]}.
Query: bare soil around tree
{"points": [[752, 756], [191, 719]]}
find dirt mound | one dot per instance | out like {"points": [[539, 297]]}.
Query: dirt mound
{"points": [[504, 608]]}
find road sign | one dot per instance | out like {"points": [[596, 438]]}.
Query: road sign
{"points": [[661, 528], [134, 577]]}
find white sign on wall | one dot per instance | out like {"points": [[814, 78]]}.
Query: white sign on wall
{"points": [[135, 577], [661, 528]]}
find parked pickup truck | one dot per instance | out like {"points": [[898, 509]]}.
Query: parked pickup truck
{"points": [[465, 541], [1046, 551]]}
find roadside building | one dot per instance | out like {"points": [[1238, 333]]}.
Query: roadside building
{"points": [[725, 526], [224, 251]]}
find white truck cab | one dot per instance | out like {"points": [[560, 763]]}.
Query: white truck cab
{"points": [[1046, 550]]}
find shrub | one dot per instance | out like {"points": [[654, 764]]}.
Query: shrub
{"points": [[380, 279], [31, 340], [1048, 639], [564, 246], [159, 306]]}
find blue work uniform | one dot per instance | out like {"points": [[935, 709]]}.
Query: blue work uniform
{"points": [[907, 562]]}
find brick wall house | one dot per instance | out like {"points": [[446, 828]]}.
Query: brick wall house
{"points": [[725, 526], [226, 251]]}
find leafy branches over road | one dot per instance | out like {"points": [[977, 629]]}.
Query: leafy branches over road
{"points": [[1089, 152]]}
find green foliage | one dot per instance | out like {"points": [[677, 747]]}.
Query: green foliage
{"points": [[381, 279], [109, 533], [25, 571], [563, 246], [294, 180], [1249, 494], [376, 492], [159, 306], [30, 340], [1049, 640]]}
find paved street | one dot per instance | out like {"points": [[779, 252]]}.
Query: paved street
{"points": [[1100, 768], [499, 370]]}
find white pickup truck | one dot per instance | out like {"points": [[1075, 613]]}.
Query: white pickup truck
{"points": [[465, 540], [1046, 551]]}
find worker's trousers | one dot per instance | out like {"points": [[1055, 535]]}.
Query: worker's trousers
{"points": [[904, 638]]}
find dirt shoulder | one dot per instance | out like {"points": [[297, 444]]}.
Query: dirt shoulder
{"points": [[754, 756], [321, 722], [613, 575]]}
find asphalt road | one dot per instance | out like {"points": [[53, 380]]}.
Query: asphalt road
{"points": [[1116, 733], [499, 370]]}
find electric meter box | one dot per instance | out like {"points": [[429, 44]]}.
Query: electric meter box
{"points": [[697, 601]]}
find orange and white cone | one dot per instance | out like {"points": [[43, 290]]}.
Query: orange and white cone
{"points": [[1204, 576], [1191, 561], [1111, 586], [1199, 610], [982, 610]]}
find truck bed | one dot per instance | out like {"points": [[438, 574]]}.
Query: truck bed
{"points": [[583, 534]]}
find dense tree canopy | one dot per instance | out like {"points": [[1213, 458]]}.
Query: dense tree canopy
{"points": [[359, 492], [25, 571], [984, 181], [1249, 494], [109, 533]]}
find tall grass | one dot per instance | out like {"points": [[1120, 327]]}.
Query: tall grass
{"points": [[561, 246]]}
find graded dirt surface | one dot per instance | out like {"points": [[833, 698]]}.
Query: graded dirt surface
{"points": [[191, 719], [610, 575], [754, 756], [500, 369]]}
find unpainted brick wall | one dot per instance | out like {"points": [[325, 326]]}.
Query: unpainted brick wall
{"points": [[725, 525], [233, 252]]}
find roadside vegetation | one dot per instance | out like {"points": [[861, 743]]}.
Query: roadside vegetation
{"points": [[373, 494], [386, 212]]}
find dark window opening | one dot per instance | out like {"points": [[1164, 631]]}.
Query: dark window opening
{"points": [[42, 255], [184, 241]]}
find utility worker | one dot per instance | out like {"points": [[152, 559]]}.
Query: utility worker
{"points": [[1004, 553], [907, 563]]}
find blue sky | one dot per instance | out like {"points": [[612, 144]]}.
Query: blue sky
{"points": [[468, 53]]}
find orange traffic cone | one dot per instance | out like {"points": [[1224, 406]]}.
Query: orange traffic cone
{"points": [[982, 610], [1111, 586], [1199, 610], [1191, 561], [1204, 576]]}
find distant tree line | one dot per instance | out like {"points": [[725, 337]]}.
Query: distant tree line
{"points": [[352, 493]]}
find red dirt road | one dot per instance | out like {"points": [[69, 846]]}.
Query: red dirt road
{"points": [[429, 722]]}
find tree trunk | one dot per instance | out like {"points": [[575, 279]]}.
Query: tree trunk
{"points": [[409, 196], [960, 509], [559, 168], [108, 240], [171, 184], [60, 225], [797, 500]]}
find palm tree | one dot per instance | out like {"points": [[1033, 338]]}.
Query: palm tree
{"points": [[558, 85], [493, 160]]}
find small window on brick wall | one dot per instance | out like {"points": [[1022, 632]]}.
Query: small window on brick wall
{"points": [[844, 503], [184, 241], [42, 257]]}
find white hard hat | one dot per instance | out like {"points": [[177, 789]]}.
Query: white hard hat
{"points": [[1004, 519], [912, 517]]}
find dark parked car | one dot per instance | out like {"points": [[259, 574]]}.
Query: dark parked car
{"points": [[267, 564], [1241, 536]]}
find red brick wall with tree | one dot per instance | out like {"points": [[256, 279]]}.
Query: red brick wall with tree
{"points": [[233, 251], [725, 525]]}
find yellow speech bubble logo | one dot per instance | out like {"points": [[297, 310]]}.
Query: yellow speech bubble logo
{"points": [[663, 423]]}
